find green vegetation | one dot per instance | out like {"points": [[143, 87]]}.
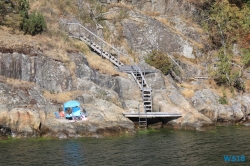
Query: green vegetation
{"points": [[15, 14], [228, 73], [159, 61], [246, 57], [34, 24], [223, 100], [228, 23]]}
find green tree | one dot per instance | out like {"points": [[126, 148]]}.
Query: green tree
{"points": [[224, 17], [228, 73], [228, 22], [34, 24]]}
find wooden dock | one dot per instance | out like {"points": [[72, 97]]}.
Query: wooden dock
{"points": [[152, 115]]}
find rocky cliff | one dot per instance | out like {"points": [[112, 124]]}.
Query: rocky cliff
{"points": [[34, 84]]}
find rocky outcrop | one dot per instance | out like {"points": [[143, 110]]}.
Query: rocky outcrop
{"points": [[207, 103], [190, 116], [47, 73], [145, 34], [26, 113]]}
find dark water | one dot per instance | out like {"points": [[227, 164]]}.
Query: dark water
{"points": [[151, 147]]}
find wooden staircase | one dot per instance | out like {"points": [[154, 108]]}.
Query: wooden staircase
{"points": [[80, 32]]}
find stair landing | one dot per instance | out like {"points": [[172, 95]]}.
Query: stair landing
{"points": [[152, 115]]}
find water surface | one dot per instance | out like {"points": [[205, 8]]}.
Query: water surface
{"points": [[150, 147]]}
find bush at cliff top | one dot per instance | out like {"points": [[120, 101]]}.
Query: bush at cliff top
{"points": [[34, 24], [15, 14]]}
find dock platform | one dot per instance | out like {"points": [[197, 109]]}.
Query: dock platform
{"points": [[152, 115]]}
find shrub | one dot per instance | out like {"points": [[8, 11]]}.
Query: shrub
{"points": [[227, 73], [34, 24], [159, 61], [246, 57], [223, 100]]}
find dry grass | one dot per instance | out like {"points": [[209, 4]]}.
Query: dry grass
{"points": [[191, 23], [53, 47], [62, 97], [125, 60], [122, 5], [187, 93], [83, 47], [103, 65], [16, 82], [96, 62], [188, 89], [220, 90], [133, 55], [238, 60], [189, 61], [197, 2], [189, 86], [152, 13], [166, 22], [247, 85]]}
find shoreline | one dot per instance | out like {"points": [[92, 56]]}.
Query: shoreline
{"points": [[113, 134]]}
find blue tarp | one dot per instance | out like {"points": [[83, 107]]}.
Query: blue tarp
{"points": [[75, 105]]}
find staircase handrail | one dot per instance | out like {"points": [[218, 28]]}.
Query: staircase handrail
{"points": [[138, 69], [95, 36]]}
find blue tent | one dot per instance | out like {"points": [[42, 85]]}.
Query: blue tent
{"points": [[75, 107], [71, 104]]}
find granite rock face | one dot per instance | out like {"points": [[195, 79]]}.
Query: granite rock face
{"points": [[47, 73], [145, 34], [207, 102]]}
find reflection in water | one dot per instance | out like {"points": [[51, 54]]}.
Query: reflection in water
{"points": [[155, 147], [72, 153]]}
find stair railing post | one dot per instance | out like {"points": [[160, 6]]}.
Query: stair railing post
{"points": [[79, 28], [118, 57], [139, 115], [101, 50], [139, 109], [146, 117]]}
